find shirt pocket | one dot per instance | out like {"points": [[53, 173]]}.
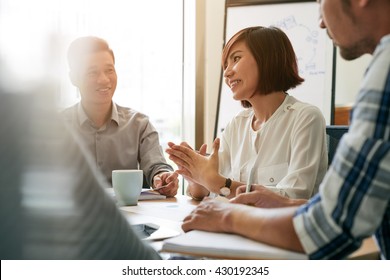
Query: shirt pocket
{"points": [[272, 175]]}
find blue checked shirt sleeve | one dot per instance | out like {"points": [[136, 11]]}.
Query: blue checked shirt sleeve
{"points": [[353, 202]]}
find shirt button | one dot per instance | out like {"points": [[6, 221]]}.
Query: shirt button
{"points": [[271, 180]]}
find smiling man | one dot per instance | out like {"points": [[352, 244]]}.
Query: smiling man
{"points": [[117, 137]]}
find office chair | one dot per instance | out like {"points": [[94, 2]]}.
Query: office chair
{"points": [[333, 136]]}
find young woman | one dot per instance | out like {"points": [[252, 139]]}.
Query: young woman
{"points": [[277, 141]]}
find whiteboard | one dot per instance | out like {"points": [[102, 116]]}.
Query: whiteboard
{"points": [[313, 48]]}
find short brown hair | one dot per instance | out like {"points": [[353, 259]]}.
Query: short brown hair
{"points": [[83, 46], [274, 55]]}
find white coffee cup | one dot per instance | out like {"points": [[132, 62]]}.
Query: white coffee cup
{"points": [[127, 184]]}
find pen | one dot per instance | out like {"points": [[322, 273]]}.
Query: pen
{"points": [[249, 182]]}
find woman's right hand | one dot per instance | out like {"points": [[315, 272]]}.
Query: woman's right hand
{"points": [[195, 166]]}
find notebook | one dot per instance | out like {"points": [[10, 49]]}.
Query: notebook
{"points": [[145, 194], [226, 246], [150, 194]]}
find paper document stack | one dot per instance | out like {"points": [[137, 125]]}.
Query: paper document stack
{"points": [[150, 194]]}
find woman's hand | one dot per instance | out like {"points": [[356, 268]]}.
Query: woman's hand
{"points": [[196, 166], [262, 197]]}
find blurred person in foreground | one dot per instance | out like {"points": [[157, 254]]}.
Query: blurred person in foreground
{"points": [[354, 198], [117, 137], [52, 202]]}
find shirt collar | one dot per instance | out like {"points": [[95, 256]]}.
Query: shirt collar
{"points": [[382, 43], [81, 114], [114, 113], [84, 118]]}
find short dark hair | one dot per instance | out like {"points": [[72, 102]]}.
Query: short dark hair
{"points": [[86, 45], [274, 55]]}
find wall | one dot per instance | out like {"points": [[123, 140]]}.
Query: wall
{"points": [[348, 79], [210, 19], [214, 33], [200, 72]]}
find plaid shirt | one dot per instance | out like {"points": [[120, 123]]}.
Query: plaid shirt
{"points": [[353, 202]]}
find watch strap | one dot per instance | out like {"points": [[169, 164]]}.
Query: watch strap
{"points": [[225, 190]]}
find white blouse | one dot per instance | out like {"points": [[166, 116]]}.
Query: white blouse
{"points": [[288, 152]]}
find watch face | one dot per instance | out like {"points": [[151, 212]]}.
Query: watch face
{"points": [[225, 191]]}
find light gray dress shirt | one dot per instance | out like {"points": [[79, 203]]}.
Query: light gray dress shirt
{"points": [[128, 141]]}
